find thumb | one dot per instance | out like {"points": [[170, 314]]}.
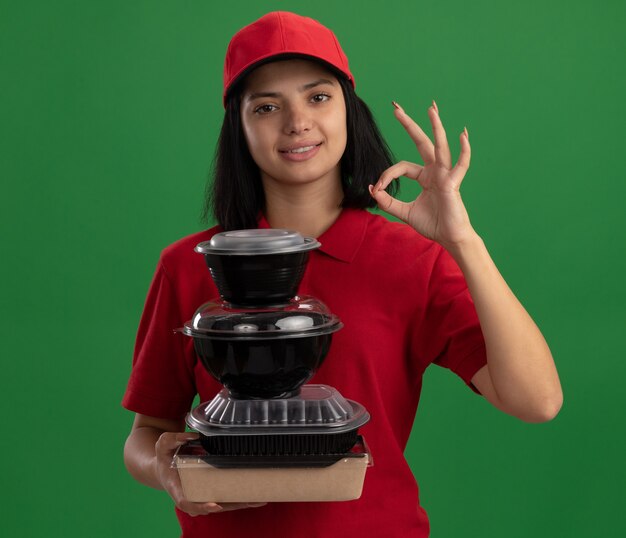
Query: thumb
{"points": [[183, 437], [391, 205]]}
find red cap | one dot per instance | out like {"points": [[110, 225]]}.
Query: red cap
{"points": [[277, 33]]}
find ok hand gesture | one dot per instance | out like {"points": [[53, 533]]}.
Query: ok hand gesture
{"points": [[438, 212]]}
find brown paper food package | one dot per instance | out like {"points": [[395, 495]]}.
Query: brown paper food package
{"points": [[340, 481]]}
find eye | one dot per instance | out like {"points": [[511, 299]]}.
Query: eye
{"points": [[264, 109], [320, 97]]}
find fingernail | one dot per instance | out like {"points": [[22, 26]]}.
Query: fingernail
{"points": [[396, 105], [466, 133], [435, 107]]}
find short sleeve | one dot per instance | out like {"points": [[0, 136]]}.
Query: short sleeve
{"points": [[161, 382], [450, 334]]}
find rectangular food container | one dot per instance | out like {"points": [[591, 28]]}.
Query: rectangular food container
{"points": [[207, 478]]}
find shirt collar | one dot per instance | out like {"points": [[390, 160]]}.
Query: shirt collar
{"points": [[344, 237]]}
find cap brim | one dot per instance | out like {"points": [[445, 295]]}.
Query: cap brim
{"points": [[282, 57]]}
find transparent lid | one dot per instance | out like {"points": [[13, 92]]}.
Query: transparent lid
{"points": [[257, 241], [301, 316], [318, 408]]}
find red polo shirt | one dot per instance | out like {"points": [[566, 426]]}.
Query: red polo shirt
{"points": [[404, 304]]}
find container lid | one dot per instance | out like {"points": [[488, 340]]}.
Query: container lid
{"points": [[301, 316], [317, 409], [257, 241]]}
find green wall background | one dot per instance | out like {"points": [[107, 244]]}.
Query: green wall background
{"points": [[109, 115]]}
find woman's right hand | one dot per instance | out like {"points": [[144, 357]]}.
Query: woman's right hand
{"points": [[165, 447]]}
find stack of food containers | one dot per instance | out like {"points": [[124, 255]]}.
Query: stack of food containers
{"points": [[267, 436]]}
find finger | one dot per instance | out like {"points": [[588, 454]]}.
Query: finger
{"points": [[442, 150], [198, 509], [185, 437], [463, 164], [239, 506], [170, 441], [390, 204], [403, 168], [201, 509], [422, 142]]}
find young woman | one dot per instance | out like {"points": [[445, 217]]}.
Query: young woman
{"points": [[299, 150]]}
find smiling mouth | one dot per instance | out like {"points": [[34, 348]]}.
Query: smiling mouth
{"points": [[303, 149]]}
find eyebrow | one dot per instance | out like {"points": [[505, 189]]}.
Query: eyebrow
{"points": [[303, 88]]}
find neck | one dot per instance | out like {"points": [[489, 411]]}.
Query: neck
{"points": [[309, 209]]}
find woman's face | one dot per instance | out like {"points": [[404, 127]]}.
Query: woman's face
{"points": [[294, 119]]}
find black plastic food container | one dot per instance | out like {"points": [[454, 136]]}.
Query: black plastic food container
{"points": [[263, 368], [257, 279], [318, 421], [257, 267], [266, 352]]}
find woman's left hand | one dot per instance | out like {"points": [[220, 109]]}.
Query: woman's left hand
{"points": [[438, 212]]}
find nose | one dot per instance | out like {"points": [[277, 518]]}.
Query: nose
{"points": [[298, 119]]}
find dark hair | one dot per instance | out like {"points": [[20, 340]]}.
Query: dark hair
{"points": [[235, 196]]}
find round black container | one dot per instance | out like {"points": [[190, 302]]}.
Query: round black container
{"points": [[264, 352], [264, 367], [257, 279], [257, 267]]}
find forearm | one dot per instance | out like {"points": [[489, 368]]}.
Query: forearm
{"points": [[140, 455], [519, 361]]}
